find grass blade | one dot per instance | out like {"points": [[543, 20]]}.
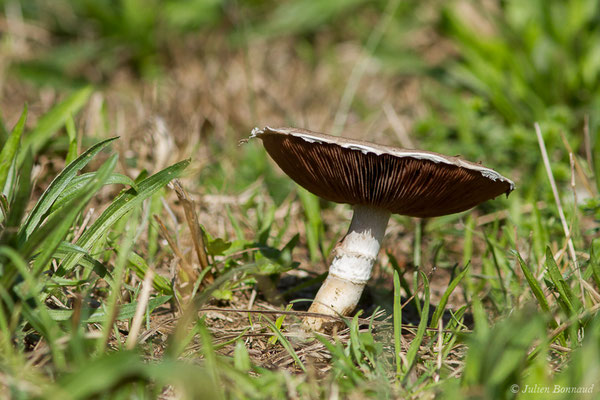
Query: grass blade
{"points": [[57, 186], [139, 265], [314, 225], [20, 192], [122, 205], [10, 149], [285, 343], [534, 285], [87, 261], [72, 134], [64, 218], [397, 323], [411, 354], [595, 265], [79, 181], [439, 311], [567, 300]]}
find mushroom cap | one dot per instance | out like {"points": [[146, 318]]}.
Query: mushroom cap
{"points": [[408, 182]]}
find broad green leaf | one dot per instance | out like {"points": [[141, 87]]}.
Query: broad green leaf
{"points": [[87, 261], [216, 247], [122, 205], [81, 180], [57, 186], [54, 233]]}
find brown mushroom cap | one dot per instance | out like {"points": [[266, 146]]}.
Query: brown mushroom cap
{"points": [[408, 182]]}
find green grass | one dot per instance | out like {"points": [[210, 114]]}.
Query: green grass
{"points": [[482, 304]]}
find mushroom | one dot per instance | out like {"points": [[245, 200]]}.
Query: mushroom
{"points": [[377, 181]]}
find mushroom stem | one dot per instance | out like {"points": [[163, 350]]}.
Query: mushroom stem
{"points": [[351, 267]]}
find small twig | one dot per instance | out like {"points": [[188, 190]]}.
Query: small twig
{"points": [[561, 213], [503, 214], [188, 269], [172, 215], [560, 348], [136, 324], [566, 324], [83, 225], [252, 298], [192, 220], [397, 126], [578, 168]]}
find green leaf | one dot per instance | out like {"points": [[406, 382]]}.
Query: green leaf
{"points": [[53, 232], [54, 119], [285, 343], [411, 354], [439, 311], [81, 180], [595, 265], [72, 133], [567, 300], [10, 148], [57, 186], [534, 285], [241, 358], [139, 265], [397, 322], [314, 225], [216, 247], [87, 261], [34, 311], [21, 192], [3, 131], [123, 204]]}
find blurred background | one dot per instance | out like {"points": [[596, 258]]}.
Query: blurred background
{"points": [[457, 77]]}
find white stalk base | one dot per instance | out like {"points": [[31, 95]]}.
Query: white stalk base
{"points": [[351, 267]]}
